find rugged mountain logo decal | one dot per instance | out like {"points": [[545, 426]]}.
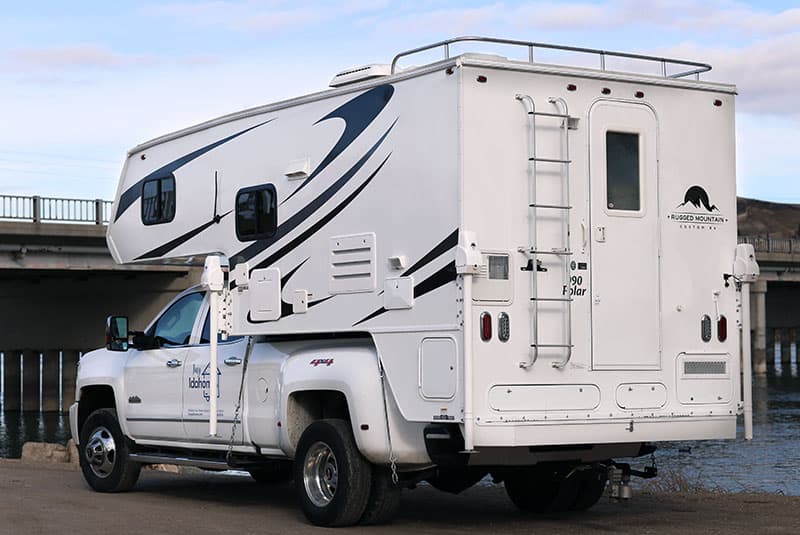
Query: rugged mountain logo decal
{"points": [[697, 197], [697, 211]]}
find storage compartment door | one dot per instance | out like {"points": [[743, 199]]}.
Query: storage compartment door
{"points": [[624, 237]]}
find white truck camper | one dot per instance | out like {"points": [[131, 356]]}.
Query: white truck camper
{"points": [[478, 266]]}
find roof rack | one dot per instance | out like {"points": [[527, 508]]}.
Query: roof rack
{"points": [[694, 67]]}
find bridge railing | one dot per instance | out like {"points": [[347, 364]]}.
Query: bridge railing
{"points": [[38, 209], [772, 245]]}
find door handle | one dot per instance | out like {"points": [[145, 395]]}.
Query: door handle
{"points": [[583, 236], [173, 363], [233, 361]]}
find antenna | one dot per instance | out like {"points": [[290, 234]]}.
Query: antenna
{"points": [[216, 196]]}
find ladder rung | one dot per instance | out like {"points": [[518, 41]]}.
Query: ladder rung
{"points": [[545, 114], [564, 299], [562, 253], [551, 345], [548, 160], [554, 206]]}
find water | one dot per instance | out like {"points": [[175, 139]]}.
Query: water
{"points": [[770, 463], [16, 428]]}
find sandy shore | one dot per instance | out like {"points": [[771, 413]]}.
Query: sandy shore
{"points": [[54, 499]]}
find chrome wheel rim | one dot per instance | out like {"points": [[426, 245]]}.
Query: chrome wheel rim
{"points": [[320, 474], [101, 452]]}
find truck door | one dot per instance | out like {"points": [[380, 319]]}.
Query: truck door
{"points": [[154, 377], [624, 237], [230, 360]]}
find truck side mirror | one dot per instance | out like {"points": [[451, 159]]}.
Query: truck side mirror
{"points": [[117, 333]]}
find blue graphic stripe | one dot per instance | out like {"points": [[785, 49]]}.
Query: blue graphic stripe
{"points": [[303, 214], [134, 192], [286, 249], [357, 113]]}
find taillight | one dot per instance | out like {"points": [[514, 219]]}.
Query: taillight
{"points": [[705, 328], [722, 328], [486, 326], [503, 327]]}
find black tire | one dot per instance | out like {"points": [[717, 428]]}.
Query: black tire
{"points": [[384, 498], [336, 489], [273, 473], [590, 491], [104, 454], [542, 489]]}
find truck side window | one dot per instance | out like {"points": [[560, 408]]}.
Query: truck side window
{"points": [[622, 171], [174, 327], [205, 337], [158, 200], [256, 212]]}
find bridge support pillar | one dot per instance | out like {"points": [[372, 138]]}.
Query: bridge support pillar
{"points": [[69, 374], [758, 315], [772, 353], [786, 347], [50, 381], [30, 380], [12, 395]]}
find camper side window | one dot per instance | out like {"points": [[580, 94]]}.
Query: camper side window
{"points": [[256, 212], [158, 200], [622, 171]]}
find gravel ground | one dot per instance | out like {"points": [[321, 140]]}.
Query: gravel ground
{"points": [[53, 499]]}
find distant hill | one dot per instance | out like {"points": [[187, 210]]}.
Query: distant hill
{"points": [[767, 219]]}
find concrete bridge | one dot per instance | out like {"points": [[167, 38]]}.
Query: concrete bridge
{"points": [[58, 283], [775, 301]]}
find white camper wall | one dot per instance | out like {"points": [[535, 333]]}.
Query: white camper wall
{"points": [[686, 140], [393, 184]]}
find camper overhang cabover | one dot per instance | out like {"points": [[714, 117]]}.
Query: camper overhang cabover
{"points": [[514, 263]]}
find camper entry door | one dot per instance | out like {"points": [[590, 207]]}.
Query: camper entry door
{"points": [[625, 288]]}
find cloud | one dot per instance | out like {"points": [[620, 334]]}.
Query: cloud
{"points": [[73, 57], [766, 72], [83, 64], [722, 15], [257, 16], [452, 20]]}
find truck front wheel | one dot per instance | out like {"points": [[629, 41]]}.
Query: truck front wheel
{"points": [[332, 477], [104, 454]]}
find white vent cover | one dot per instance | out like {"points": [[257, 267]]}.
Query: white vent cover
{"points": [[265, 294], [359, 74], [352, 263]]}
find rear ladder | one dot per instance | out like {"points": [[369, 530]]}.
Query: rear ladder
{"points": [[532, 250]]}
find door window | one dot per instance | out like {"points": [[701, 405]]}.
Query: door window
{"points": [[205, 337], [622, 171], [174, 327]]}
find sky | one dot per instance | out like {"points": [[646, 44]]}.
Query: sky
{"points": [[83, 82]]}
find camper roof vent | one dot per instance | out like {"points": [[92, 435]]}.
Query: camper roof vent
{"points": [[359, 74]]}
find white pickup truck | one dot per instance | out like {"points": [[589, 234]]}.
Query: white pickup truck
{"points": [[147, 402], [321, 404]]}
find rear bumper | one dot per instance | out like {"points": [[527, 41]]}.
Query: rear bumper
{"points": [[616, 431]]}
